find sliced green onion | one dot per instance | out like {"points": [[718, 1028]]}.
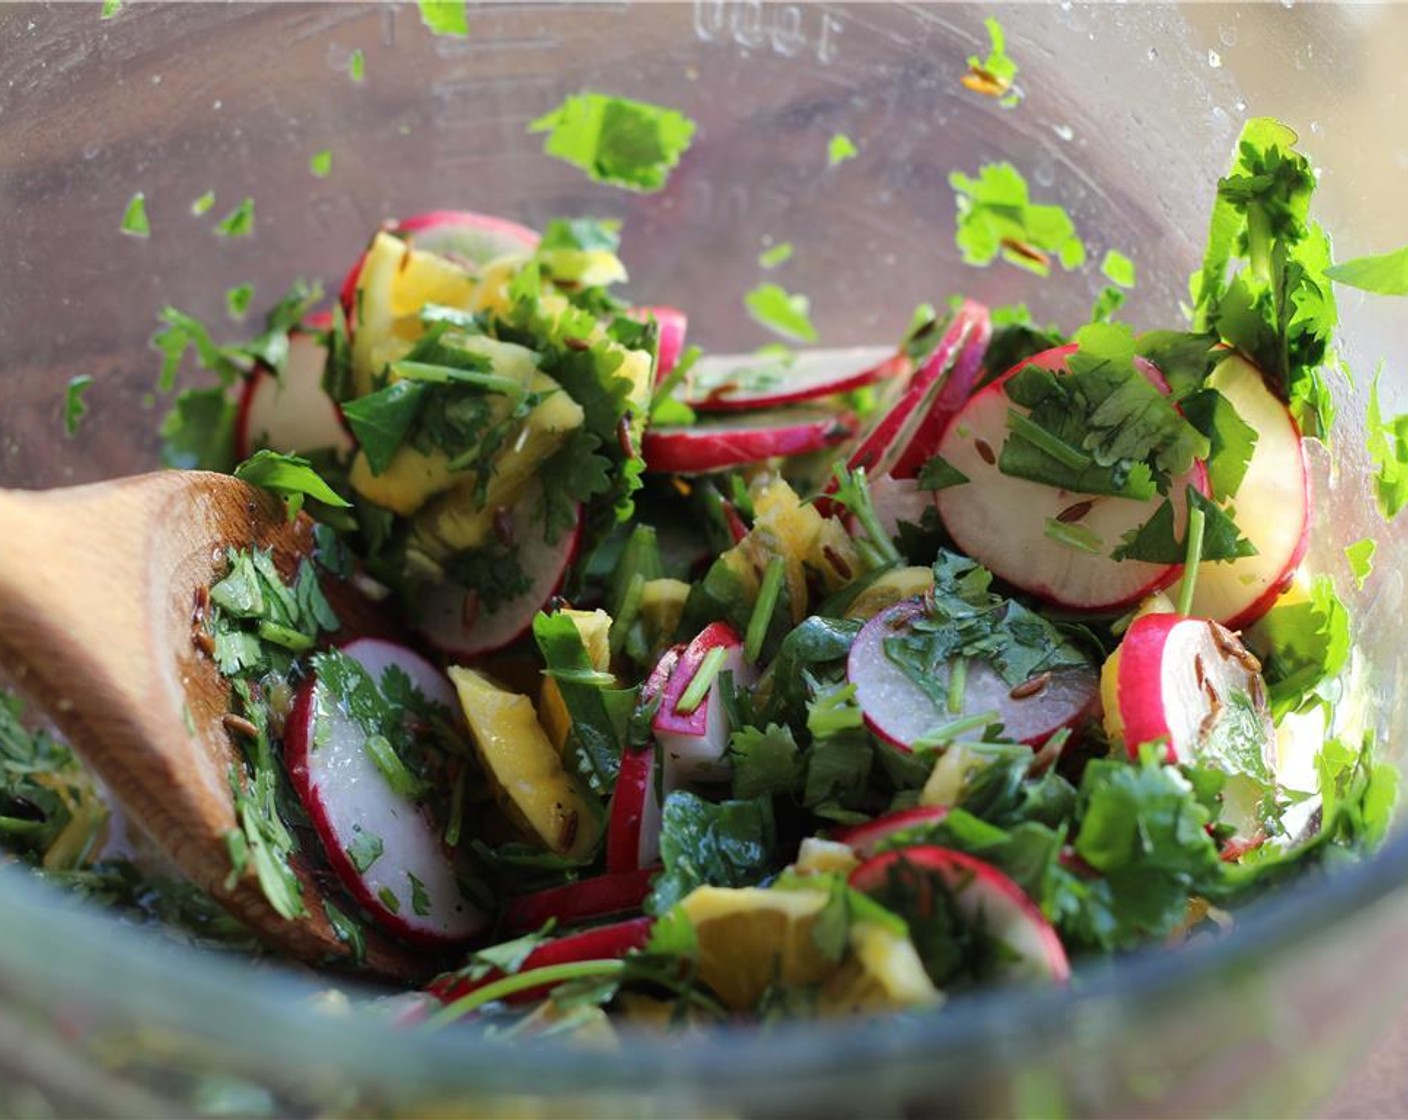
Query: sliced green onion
{"points": [[763, 609], [1076, 536], [957, 684], [284, 636], [626, 613], [1196, 520], [702, 682], [1068, 456], [948, 732], [398, 777]]}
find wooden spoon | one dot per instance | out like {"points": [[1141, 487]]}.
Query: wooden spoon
{"points": [[99, 588]]}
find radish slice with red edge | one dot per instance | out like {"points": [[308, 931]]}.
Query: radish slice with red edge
{"points": [[896, 501], [869, 838], [384, 847], [1053, 543], [957, 387], [1176, 676], [906, 880], [672, 323], [1272, 505], [743, 382], [750, 438], [458, 622], [695, 741], [294, 415], [633, 828], [587, 900], [902, 713], [463, 234], [376, 655], [602, 943]]}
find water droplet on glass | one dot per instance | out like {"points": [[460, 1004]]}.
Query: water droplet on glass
{"points": [[1044, 174], [1214, 60], [1240, 105], [90, 151], [1315, 127], [1064, 131], [156, 79]]}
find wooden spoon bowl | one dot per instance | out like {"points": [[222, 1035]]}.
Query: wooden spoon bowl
{"points": [[100, 591]]}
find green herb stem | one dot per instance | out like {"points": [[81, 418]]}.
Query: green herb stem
{"points": [[957, 684], [627, 612], [763, 609], [446, 375], [521, 982], [1196, 520], [703, 681], [948, 732], [1074, 536], [398, 777], [1040, 438]]}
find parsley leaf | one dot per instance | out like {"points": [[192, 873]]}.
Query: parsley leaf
{"points": [[364, 850], [729, 844], [781, 312], [839, 149], [445, 17], [75, 408], [134, 218], [996, 217], [1384, 274], [616, 140], [291, 477]]}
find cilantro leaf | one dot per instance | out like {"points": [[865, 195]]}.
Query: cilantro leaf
{"points": [[781, 312], [198, 433], [1303, 643], [445, 17], [631, 144], [237, 300], [839, 149], [766, 761], [239, 222], [1387, 444], [1154, 541], [364, 850], [1384, 274], [1231, 440], [110, 8], [357, 65], [381, 420], [992, 76], [937, 473], [75, 408], [203, 204], [320, 163], [996, 217], [584, 234], [1185, 358], [728, 844], [1118, 269], [291, 477], [134, 218], [1360, 555], [180, 332]]}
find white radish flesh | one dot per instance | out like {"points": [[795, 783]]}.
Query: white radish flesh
{"points": [[694, 742], [293, 415], [751, 438], [737, 382]]}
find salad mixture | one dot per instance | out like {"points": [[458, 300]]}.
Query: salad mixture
{"points": [[792, 683]]}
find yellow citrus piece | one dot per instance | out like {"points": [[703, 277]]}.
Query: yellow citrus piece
{"points": [[594, 627], [889, 589], [750, 938], [882, 972]]}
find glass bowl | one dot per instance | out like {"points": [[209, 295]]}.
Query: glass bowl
{"points": [[1128, 117]]}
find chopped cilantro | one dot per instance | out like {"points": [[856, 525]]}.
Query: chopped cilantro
{"points": [[728, 844], [1360, 555], [938, 473], [134, 218], [239, 222], [992, 76], [781, 312], [357, 65], [381, 420], [839, 149], [420, 897], [389, 900], [199, 431], [1385, 274], [110, 9], [1231, 440], [203, 204], [364, 850], [320, 163], [996, 217], [630, 144], [291, 477], [1387, 443], [1303, 642], [445, 17], [1154, 541], [776, 255], [75, 408], [237, 300], [1118, 269], [766, 761], [348, 931]]}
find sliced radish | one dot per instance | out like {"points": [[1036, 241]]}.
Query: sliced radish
{"points": [[1272, 505], [603, 943], [720, 445], [967, 370], [587, 900], [899, 500], [888, 441], [672, 323], [633, 829], [1006, 523], [694, 742], [1175, 677], [867, 839], [902, 713], [462, 234], [458, 622], [740, 382], [293, 415], [984, 895], [376, 655], [406, 882]]}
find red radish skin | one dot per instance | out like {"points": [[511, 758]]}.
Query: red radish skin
{"points": [[452, 618], [715, 385], [901, 713], [673, 324], [346, 796], [1173, 677], [1272, 505], [295, 416], [587, 900], [983, 894], [694, 743], [1001, 521], [603, 943], [633, 828], [957, 387], [705, 448], [476, 238], [866, 840]]}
